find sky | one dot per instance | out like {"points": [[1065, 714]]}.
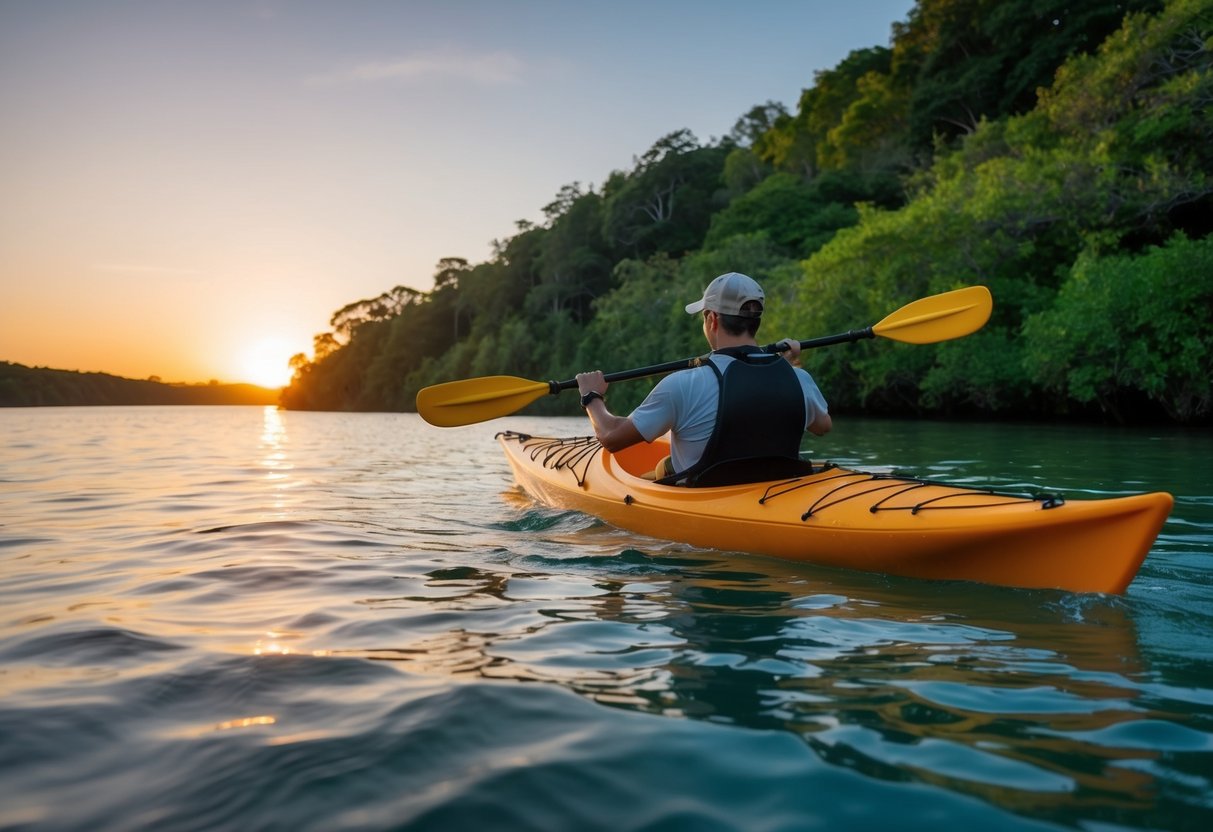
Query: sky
{"points": [[190, 189]]}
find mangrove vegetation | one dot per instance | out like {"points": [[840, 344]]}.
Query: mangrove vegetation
{"points": [[1058, 151]]}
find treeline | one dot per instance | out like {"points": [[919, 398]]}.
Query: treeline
{"points": [[1058, 151], [22, 386]]}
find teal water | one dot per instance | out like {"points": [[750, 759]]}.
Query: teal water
{"points": [[237, 618]]}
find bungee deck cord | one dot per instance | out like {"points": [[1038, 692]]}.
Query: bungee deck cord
{"points": [[575, 454]]}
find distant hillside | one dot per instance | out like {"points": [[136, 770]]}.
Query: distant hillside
{"points": [[22, 386], [1059, 152]]}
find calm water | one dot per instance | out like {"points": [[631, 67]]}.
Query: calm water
{"points": [[236, 618]]}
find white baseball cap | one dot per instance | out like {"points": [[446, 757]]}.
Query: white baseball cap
{"points": [[727, 294]]}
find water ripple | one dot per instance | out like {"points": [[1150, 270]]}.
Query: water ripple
{"points": [[243, 618]]}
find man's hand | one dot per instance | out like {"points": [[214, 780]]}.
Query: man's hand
{"points": [[614, 432], [791, 351], [592, 382]]}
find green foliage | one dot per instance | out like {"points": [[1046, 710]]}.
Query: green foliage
{"points": [[974, 59], [870, 136], [1029, 145], [1013, 208], [792, 212], [1126, 325], [799, 144], [665, 204], [573, 263], [743, 169], [866, 272]]}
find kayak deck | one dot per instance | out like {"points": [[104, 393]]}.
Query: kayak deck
{"points": [[853, 519]]}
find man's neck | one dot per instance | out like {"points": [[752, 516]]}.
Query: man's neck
{"points": [[724, 340]]}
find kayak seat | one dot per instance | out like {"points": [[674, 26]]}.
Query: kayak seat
{"points": [[754, 469]]}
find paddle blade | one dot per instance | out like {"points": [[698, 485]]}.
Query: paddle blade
{"points": [[939, 317], [477, 399]]}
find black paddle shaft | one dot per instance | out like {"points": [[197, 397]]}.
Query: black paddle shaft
{"points": [[555, 387]]}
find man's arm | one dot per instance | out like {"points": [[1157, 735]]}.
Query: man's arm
{"points": [[822, 422]]}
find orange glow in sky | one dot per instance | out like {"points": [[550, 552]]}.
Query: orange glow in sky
{"points": [[190, 190]]}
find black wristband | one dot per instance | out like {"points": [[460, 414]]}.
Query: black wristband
{"points": [[590, 396]]}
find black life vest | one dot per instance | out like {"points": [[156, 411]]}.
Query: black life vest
{"points": [[760, 421]]}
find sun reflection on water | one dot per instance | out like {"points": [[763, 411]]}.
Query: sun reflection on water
{"points": [[274, 457], [273, 436], [272, 644], [200, 731]]}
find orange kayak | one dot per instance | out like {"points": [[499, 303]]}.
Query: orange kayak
{"points": [[855, 520]]}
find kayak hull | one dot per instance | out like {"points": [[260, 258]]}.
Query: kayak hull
{"points": [[854, 519]]}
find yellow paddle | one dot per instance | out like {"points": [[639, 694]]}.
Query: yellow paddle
{"points": [[925, 321]]}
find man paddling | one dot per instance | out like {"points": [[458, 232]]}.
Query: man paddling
{"points": [[768, 402]]}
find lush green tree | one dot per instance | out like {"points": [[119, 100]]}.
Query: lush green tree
{"points": [[1013, 209], [904, 172], [871, 135], [665, 203], [744, 167], [1129, 327], [573, 262], [799, 144], [974, 59], [792, 212], [504, 282], [756, 123], [350, 317], [1142, 110]]}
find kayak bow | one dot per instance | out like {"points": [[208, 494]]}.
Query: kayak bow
{"points": [[855, 520]]}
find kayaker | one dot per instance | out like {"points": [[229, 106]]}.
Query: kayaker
{"points": [[769, 401]]}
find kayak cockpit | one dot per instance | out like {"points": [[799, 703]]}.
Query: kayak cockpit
{"points": [[641, 459]]}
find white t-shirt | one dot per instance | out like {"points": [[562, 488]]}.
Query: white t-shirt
{"points": [[689, 399]]}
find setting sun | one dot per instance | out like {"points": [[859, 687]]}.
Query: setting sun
{"points": [[266, 363]]}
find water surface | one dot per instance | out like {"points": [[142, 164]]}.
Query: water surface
{"points": [[240, 618]]}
